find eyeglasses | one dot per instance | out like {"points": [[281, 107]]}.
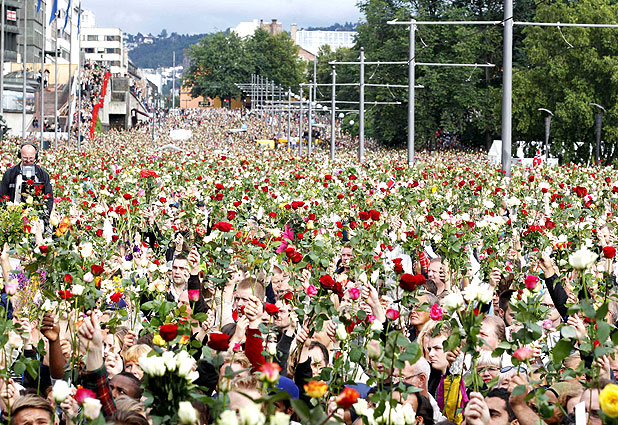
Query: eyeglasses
{"points": [[491, 369]]}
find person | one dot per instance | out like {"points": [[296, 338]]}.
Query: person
{"points": [[27, 176], [32, 409]]}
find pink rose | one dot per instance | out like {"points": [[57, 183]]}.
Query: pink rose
{"points": [[435, 313], [354, 293], [523, 354], [194, 294], [531, 282], [392, 314], [312, 290]]}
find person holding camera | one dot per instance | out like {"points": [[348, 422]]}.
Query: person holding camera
{"points": [[28, 179]]}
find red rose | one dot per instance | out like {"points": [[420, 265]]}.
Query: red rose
{"points": [[43, 249], [409, 282], [429, 218], [168, 332], [127, 196], [68, 278], [222, 226], [96, 269], [218, 341], [271, 308], [596, 343], [347, 398], [392, 314], [296, 257], [99, 232], [374, 214], [115, 297], [580, 191], [231, 215], [65, 295], [363, 215], [609, 252], [327, 282], [398, 268]]}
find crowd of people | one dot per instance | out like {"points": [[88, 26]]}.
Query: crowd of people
{"points": [[222, 283], [90, 87]]}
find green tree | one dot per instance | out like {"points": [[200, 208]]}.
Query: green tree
{"points": [[569, 68], [275, 57], [218, 63]]}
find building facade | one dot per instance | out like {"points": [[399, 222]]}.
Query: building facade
{"points": [[311, 41], [105, 46]]}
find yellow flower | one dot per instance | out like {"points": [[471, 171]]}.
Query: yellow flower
{"points": [[433, 189], [184, 340], [316, 389], [159, 341], [608, 399]]}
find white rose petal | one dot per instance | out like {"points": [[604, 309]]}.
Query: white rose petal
{"points": [[91, 408], [61, 391], [186, 413], [228, 417]]}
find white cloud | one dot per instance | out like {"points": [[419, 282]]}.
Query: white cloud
{"points": [[201, 16]]}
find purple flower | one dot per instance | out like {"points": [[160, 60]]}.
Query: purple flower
{"points": [[135, 249], [128, 257]]}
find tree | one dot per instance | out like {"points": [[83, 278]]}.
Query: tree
{"points": [[218, 62], [569, 68], [275, 57], [163, 33]]}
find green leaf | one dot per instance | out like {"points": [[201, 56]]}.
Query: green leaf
{"points": [[569, 332], [301, 410], [519, 390], [562, 350]]}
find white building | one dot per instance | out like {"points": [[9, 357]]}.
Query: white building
{"points": [[104, 46], [311, 41], [246, 29], [88, 19]]}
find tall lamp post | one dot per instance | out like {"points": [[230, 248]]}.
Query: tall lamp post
{"points": [[599, 121], [547, 127]]}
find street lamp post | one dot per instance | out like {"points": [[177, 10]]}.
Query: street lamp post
{"points": [[599, 122], [547, 127]]}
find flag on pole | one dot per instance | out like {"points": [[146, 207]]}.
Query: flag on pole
{"points": [[38, 7], [66, 18], [79, 18], [54, 12]]}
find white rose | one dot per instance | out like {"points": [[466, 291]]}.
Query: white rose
{"points": [[362, 277], [374, 349], [86, 250], [280, 418], [77, 289], [15, 341], [153, 366], [582, 259], [91, 408], [186, 413], [47, 305], [375, 276], [170, 360], [185, 363], [341, 333], [361, 407], [409, 415], [251, 415], [453, 301], [482, 293], [61, 391], [228, 417], [377, 326]]}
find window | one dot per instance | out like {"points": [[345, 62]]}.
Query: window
{"points": [[112, 51], [93, 38], [111, 38], [89, 50]]}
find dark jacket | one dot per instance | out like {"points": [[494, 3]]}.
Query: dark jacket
{"points": [[7, 186]]}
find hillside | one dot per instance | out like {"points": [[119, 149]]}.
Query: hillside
{"points": [[159, 53]]}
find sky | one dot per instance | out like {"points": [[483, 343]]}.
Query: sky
{"points": [[202, 16]]}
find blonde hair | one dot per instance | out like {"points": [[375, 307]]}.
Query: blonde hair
{"points": [[134, 353]]}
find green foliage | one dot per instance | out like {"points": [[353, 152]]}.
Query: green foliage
{"points": [[570, 67], [220, 61]]}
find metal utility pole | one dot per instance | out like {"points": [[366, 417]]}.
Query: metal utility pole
{"points": [[361, 109], [174, 80], [289, 116], [70, 111], [507, 87], [599, 122], [272, 107], [279, 118], [79, 87], [547, 127], [411, 93], [25, 71], [56, 82], [42, 111], [300, 122], [2, 37], [332, 116], [310, 135]]}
